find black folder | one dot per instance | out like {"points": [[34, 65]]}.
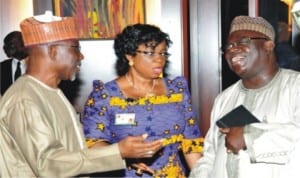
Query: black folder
{"points": [[238, 117]]}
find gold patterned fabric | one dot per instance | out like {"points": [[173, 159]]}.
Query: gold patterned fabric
{"points": [[168, 117]]}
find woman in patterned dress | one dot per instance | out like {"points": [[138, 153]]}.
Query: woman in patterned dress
{"points": [[141, 101]]}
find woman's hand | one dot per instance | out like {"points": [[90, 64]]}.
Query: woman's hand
{"points": [[141, 168]]}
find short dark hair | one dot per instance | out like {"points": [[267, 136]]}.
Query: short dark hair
{"points": [[131, 37], [9, 43]]}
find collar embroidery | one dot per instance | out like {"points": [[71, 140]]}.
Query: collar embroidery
{"points": [[117, 101]]}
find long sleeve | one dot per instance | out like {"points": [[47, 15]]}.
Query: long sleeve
{"points": [[277, 137], [272, 143], [48, 152], [206, 166]]}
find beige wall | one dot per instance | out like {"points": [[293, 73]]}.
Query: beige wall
{"points": [[11, 13]]}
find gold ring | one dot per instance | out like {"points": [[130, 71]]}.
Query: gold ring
{"points": [[150, 152], [139, 171]]}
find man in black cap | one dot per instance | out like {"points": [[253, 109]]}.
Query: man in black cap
{"points": [[15, 66]]}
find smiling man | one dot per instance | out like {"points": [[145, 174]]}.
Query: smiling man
{"points": [[270, 148]]}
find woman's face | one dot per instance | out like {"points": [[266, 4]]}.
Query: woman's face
{"points": [[149, 62]]}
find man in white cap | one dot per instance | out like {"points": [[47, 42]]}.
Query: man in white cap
{"points": [[269, 148], [39, 131]]}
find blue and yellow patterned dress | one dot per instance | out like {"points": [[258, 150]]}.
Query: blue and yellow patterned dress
{"points": [[170, 117]]}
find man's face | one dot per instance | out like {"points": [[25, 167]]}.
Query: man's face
{"points": [[21, 51], [245, 53], [68, 59]]}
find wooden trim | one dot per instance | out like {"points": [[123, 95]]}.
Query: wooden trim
{"points": [[185, 39]]}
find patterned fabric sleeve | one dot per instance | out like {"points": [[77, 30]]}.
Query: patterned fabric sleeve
{"points": [[95, 115], [192, 140]]}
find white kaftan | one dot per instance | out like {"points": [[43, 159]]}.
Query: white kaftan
{"points": [[273, 146]]}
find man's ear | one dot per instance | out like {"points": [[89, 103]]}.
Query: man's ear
{"points": [[269, 46], [52, 51]]}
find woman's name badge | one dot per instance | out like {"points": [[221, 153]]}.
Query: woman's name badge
{"points": [[125, 119]]}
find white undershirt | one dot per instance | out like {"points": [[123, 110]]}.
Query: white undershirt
{"points": [[14, 67]]}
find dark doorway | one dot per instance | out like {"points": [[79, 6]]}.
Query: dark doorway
{"points": [[230, 9]]}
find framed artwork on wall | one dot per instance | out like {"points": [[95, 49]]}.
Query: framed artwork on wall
{"points": [[101, 19]]}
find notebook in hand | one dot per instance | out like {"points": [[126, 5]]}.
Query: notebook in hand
{"points": [[238, 117]]}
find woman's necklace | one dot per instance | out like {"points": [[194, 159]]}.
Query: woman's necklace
{"points": [[148, 93]]}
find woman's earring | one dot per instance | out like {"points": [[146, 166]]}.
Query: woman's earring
{"points": [[161, 75], [130, 63]]}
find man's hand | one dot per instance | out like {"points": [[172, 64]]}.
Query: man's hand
{"points": [[137, 147], [234, 139]]}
